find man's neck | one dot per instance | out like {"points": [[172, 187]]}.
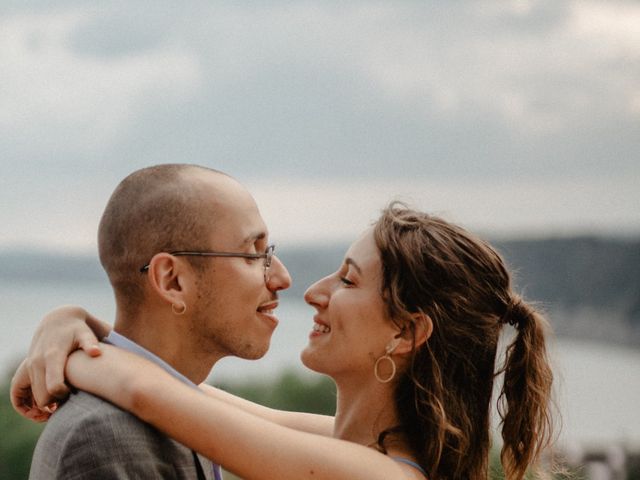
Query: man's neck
{"points": [[168, 346]]}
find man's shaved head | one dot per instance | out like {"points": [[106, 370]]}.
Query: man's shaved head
{"points": [[156, 209]]}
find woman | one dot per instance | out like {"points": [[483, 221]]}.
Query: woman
{"points": [[434, 299]]}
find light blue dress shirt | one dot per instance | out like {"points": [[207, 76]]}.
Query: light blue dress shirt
{"points": [[120, 341]]}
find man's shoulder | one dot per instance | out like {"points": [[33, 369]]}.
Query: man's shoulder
{"points": [[83, 410], [86, 404], [88, 434], [86, 420], [85, 415]]}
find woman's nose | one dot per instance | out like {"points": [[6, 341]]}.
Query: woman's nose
{"points": [[318, 294]]}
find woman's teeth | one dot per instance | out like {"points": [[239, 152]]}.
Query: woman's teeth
{"points": [[321, 328]]}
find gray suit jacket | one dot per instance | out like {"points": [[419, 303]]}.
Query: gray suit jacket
{"points": [[89, 438]]}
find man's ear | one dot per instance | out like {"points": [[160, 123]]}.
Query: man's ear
{"points": [[168, 277], [418, 331]]}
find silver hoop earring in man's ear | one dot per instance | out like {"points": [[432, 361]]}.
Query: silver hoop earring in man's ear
{"points": [[387, 357], [181, 308]]}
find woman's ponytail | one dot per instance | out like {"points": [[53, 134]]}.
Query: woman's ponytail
{"points": [[526, 393], [443, 399]]}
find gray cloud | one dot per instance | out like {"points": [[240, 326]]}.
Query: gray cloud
{"points": [[493, 91]]}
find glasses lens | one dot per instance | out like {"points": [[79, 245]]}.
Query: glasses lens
{"points": [[267, 261], [269, 257]]}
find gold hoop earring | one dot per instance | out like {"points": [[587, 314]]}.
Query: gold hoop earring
{"points": [[181, 310], [387, 357]]}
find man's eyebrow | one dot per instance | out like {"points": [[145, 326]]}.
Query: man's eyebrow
{"points": [[352, 262]]}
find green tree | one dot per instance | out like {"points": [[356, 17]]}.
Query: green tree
{"points": [[18, 439], [289, 391]]}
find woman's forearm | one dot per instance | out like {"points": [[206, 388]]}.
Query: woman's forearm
{"points": [[247, 445], [305, 422], [114, 373], [243, 443]]}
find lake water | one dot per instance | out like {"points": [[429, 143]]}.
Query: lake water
{"points": [[598, 388]]}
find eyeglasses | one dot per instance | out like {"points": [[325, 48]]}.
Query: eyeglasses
{"points": [[267, 256]]}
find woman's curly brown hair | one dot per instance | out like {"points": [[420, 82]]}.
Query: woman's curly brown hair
{"points": [[443, 399]]}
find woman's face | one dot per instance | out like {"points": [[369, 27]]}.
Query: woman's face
{"points": [[351, 328]]}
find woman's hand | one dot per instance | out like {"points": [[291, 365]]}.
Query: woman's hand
{"points": [[22, 396], [39, 383]]}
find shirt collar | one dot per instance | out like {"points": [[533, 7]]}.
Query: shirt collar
{"points": [[120, 341]]}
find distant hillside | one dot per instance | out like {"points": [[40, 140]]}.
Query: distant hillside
{"points": [[579, 272], [589, 286], [39, 267]]}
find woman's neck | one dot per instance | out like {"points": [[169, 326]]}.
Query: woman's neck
{"points": [[364, 411]]}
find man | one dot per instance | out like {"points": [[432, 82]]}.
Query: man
{"points": [[187, 254]]}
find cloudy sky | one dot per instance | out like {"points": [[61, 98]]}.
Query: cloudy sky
{"points": [[511, 117]]}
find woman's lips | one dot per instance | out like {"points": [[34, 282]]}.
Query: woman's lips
{"points": [[319, 328]]}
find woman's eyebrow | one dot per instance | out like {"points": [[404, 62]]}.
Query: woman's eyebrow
{"points": [[351, 261]]}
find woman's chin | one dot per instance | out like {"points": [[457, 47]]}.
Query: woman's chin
{"points": [[309, 360]]}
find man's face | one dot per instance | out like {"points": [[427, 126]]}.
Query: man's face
{"points": [[233, 311]]}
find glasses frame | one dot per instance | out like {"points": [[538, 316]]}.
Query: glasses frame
{"points": [[267, 255]]}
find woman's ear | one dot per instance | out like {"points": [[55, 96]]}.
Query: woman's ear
{"points": [[418, 331], [423, 327], [167, 277]]}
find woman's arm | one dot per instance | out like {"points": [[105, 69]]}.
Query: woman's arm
{"points": [[305, 422], [39, 381], [247, 445]]}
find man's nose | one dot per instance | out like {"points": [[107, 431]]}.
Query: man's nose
{"points": [[278, 277]]}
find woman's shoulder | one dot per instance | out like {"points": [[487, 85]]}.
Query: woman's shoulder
{"points": [[414, 467]]}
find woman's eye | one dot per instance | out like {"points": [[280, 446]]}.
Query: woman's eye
{"points": [[346, 281]]}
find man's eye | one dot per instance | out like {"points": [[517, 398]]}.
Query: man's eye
{"points": [[259, 247]]}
